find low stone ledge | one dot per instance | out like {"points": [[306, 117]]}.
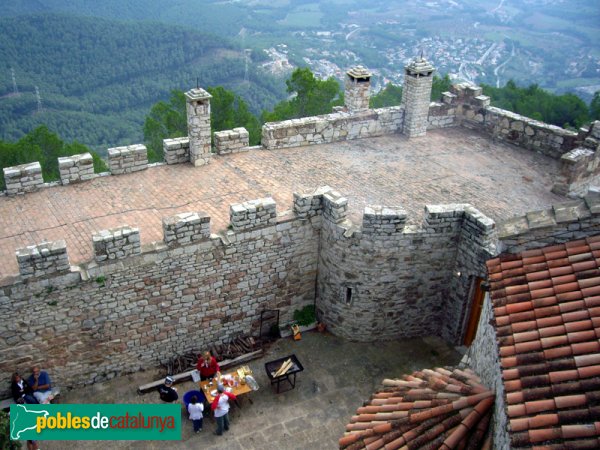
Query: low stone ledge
{"points": [[23, 178], [116, 243], [43, 259], [176, 150], [132, 158], [231, 141], [185, 228], [383, 219], [76, 168], [253, 214]]}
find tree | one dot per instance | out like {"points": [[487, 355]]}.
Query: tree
{"points": [[309, 97], [5, 442], [165, 121], [169, 120], [391, 95], [595, 107], [46, 147]]}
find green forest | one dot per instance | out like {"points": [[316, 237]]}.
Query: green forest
{"points": [[97, 79]]}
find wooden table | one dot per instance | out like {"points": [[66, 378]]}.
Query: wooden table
{"points": [[238, 390]]}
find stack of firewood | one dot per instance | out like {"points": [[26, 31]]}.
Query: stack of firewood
{"points": [[235, 347]]}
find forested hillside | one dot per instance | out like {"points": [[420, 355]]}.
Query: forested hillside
{"points": [[98, 78]]}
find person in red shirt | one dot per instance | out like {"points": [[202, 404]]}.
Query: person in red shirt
{"points": [[208, 366]]}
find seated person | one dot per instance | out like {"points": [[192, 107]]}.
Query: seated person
{"points": [[21, 391], [208, 366], [167, 392], [41, 385]]}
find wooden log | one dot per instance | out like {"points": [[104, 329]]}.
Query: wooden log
{"points": [[225, 364]]}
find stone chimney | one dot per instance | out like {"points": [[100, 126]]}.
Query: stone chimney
{"points": [[416, 96], [198, 120], [357, 86]]}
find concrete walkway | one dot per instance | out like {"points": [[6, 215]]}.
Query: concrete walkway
{"points": [[338, 376]]}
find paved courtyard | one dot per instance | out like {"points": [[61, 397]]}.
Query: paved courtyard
{"points": [[447, 166], [338, 376]]}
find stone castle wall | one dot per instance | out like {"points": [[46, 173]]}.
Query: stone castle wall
{"points": [[23, 178], [575, 219], [120, 315], [339, 126], [387, 280], [131, 158], [76, 168], [483, 358]]}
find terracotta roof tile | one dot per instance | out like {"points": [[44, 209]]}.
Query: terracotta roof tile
{"points": [[457, 410], [548, 331]]}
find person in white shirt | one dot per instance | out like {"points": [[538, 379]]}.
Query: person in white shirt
{"points": [[220, 406], [195, 408]]}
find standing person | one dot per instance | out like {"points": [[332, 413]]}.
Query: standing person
{"points": [[196, 409], [208, 366], [21, 391], [220, 406], [167, 392], [41, 385]]}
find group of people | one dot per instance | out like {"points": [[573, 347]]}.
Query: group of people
{"points": [[209, 368], [36, 389]]}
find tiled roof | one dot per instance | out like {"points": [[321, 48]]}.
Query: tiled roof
{"points": [[547, 307], [430, 409]]}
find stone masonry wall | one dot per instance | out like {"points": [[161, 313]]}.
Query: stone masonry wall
{"points": [[76, 168], [483, 358], [177, 150], [388, 280], [231, 141], [253, 214], [43, 260], [575, 219], [442, 115], [131, 313], [339, 126], [116, 243], [580, 167], [23, 178], [185, 228], [477, 243], [131, 158], [474, 111]]}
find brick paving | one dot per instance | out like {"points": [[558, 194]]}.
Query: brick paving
{"points": [[447, 166]]}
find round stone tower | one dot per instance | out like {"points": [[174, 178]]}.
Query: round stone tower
{"points": [[198, 121], [416, 96], [357, 86]]}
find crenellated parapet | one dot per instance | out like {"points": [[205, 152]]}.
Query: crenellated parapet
{"points": [[186, 228], [23, 178], [76, 168], [116, 243], [42, 260], [253, 214], [128, 159]]}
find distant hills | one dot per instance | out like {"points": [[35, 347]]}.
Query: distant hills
{"points": [[97, 78]]}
